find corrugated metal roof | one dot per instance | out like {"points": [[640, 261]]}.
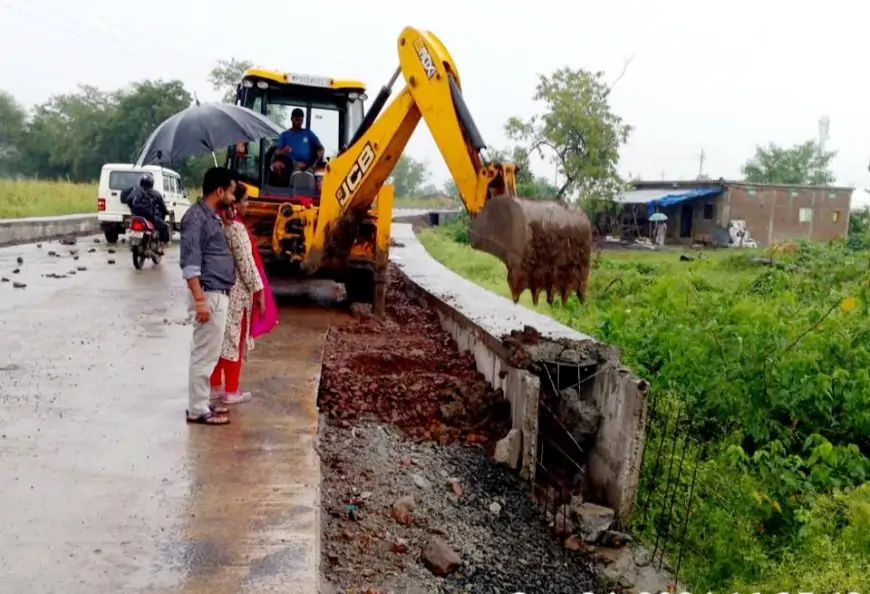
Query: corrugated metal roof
{"points": [[640, 196], [663, 198]]}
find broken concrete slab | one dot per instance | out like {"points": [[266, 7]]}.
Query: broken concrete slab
{"points": [[581, 416], [439, 558], [509, 448], [592, 520]]}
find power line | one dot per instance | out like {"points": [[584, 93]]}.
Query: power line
{"points": [[60, 27], [107, 39]]}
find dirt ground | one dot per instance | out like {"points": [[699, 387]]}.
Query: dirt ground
{"points": [[406, 434]]}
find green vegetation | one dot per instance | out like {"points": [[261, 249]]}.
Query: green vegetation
{"points": [[36, 198], [801, 164], [772, 369]]}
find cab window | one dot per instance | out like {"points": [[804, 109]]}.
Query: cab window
{"points": [[247, 154], [325, 124], [355, 115], [279, 112], [167, 185]]}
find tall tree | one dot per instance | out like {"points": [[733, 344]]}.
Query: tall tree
{"points": [[578, 131], [13, 121], [74, 134], [137, 112], [226, 75], [65, 134], [801, 164], [409, 177]]}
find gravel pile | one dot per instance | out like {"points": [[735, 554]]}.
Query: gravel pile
{"points": [[385, 499], [411, 502]]}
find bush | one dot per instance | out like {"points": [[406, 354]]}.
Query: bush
{"points": [[457, 230]]}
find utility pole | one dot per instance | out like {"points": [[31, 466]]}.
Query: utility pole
{"points": [[701, 164], [663, 175]]}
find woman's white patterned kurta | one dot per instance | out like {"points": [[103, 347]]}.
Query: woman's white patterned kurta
{"points": [[248, 282]]}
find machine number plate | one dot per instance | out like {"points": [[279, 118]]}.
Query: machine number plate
{"points": [[308, 79]]}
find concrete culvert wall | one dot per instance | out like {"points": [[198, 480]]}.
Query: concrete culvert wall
{"points": [[591, 419], [578, 415]]}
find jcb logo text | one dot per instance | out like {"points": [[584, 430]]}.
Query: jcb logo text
{"points": [[353, 179]]}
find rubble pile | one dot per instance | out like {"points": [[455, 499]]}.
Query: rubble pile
{"points": [[405, 370]]}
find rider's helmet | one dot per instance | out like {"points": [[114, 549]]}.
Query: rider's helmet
{"points": [[146, 182]]}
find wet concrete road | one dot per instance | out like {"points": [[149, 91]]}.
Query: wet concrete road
{"points": [[104, 486]]}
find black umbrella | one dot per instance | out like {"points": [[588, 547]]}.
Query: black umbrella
{"points": [[204, 128]]}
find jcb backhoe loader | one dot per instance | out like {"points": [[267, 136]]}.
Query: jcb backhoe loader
{"points": [[333, 220]]}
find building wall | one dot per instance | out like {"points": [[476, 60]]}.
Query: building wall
{"points": [[774, 213], [700, 223]]}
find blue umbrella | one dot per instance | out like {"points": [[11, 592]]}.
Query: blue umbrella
{"points": [[204, 128]]}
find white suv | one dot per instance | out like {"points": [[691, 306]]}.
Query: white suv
{"points": [[114, 215]]}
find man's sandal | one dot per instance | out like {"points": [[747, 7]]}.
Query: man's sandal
{"points": [[208, 419], [218, 410]]}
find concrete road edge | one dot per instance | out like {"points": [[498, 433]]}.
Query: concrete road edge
{"points": [[28, 230]]}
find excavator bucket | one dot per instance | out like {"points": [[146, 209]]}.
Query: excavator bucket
{"points": [[545, 246]]}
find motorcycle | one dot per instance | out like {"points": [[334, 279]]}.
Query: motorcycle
{"points": [[144, 242]]}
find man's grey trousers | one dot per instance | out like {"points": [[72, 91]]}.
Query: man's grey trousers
{"points": [[205, 350]]}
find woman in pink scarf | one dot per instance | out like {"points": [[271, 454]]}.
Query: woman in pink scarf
{"points": [[252, 310]]}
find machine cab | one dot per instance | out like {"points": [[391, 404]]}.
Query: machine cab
{"points": [[333, 109]]}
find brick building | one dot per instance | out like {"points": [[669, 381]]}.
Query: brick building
{"points": [[772, 212]]}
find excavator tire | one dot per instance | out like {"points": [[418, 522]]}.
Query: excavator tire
{"points": [[545, 246]]}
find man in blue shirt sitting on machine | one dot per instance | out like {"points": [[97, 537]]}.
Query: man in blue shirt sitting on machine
{"points": [[296, 145]]}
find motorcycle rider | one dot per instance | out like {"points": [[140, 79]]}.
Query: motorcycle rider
{"points": [[148, 203]]}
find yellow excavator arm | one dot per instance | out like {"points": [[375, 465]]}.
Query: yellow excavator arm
{"points": [[544, 245]]}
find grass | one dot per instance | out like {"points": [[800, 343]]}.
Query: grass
{"points": [[38, 198], [489, 272]]}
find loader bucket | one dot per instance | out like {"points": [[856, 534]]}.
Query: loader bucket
{"points": [[545, 246]]}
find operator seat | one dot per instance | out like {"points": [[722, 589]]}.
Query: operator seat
{"points": [[303, 184]]}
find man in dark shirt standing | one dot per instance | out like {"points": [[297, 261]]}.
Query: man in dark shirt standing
{"points": [[207, 266]]}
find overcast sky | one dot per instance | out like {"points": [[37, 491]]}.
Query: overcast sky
{"points": [[717, 76]]}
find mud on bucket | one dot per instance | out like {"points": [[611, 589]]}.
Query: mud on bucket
{"points": [[545, 246]]}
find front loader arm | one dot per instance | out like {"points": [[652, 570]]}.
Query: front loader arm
{"points": [[433, 92]]}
